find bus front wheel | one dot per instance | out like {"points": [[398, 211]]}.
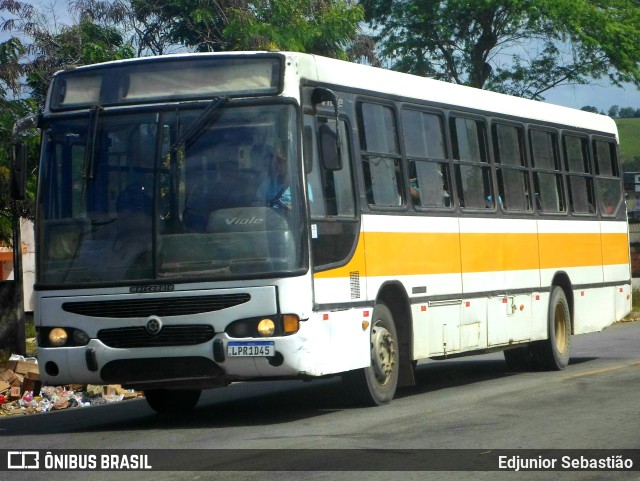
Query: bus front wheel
{"points": [[175, 402], [554, 352], [376, 384]]}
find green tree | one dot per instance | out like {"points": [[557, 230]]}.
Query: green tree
{"points": [[12, 107], [328, 27], [590, 108], [324, 27], [49, 49], [12, 110], [521, 47], [627, 113], [27, 62], [631, 165], [80, 44], [613, 111]]}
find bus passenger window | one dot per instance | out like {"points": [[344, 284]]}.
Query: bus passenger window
{"points": [[608, 185], [546, 172], [579, 180], [381, 161], [428, 165], [473, 174], [511, 167]]}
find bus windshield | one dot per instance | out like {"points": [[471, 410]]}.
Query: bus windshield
{"points": [[172, 193]]}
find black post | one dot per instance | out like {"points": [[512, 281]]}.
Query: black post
{"points": [[20, 346]]}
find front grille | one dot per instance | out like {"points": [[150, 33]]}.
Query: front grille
{"points": [[162, 307], [130, 337], [159, 369]]}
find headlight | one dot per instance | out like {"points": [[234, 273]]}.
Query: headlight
{"points": [[274, 325], [58, 337], [266, 328], [62, 337]]}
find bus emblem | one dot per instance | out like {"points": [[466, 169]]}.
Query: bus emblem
{"points": [[244, 220], [154, 325]]}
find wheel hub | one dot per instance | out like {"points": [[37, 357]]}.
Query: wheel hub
{"points": [[383, 353]]}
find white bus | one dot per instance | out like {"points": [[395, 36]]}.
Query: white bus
{"points": [[210, 218]]}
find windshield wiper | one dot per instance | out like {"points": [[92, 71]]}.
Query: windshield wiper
{"points": [[197, 127]]}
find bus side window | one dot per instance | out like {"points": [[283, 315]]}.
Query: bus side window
{"points": [[547, 177], [331, 199], [608, 186], [381, 162], [426, 153], [472, 171], [511, 167], [330, 192], [579, 180]]}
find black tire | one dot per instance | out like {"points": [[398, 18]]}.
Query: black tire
{"points": [[172, 402], [554, 352], [519, 359], [376, 385]]}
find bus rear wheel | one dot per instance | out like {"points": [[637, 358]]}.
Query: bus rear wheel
{"points": [[376, 385], [176, 402], [554, 352]]}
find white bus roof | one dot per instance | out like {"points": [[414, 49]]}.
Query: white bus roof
{"points": [[372, 79], [408, 86]]}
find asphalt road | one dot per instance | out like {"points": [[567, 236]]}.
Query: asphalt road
{"points": [[467, 403]]}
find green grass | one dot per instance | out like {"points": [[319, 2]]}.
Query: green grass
{"points": [[629, 131], [635, 301]]}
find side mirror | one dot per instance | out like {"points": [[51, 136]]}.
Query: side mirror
{"points": [[329, 148], [19, 171], [329, 138]]}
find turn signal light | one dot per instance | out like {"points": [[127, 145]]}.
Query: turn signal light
{"points": [[291, 323]]}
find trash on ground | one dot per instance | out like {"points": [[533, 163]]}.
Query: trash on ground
{"points": [[21, 391]]}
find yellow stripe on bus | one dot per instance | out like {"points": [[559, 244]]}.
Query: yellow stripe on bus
{"points": [[397, 254]]}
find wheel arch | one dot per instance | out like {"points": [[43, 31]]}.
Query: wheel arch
{"points": [[394, 296], [561, 279]]}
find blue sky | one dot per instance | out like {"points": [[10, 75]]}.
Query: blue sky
{"points": [[599, 94]]}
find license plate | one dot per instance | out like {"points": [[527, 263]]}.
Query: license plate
{"points": [[251, 349]]}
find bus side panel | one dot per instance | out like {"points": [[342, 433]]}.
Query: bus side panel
{"points": [[345, 284], [498, 257], [423, 253], [539, 313], [571, 247], [594, 309], [623, 300], [615, 252], [617, 268], [509, 319]]}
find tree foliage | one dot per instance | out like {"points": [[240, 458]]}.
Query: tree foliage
{"points": [[590, 108], [101, 30], [327, 27], [324, 27], [521, 47], [12, 110], [27, 62]]}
